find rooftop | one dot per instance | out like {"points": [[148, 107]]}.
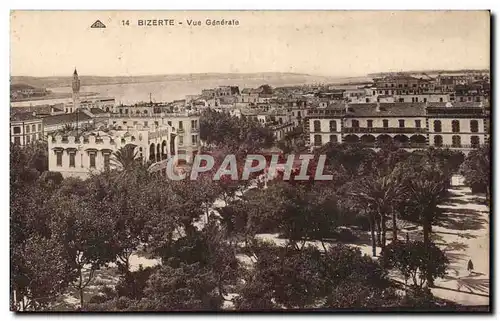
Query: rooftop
{"points": [[23, 116], [65, 118]]}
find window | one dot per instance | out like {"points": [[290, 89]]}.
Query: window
{"points": [[333, 126], [27, 139], [355, 123], [33, 137], [140, 152], [474, 126], [437, 126], [106, 161], [385, 123], [156, 123], [425, 99], [367, 100], [17, 140], [333, 138], [33, 128], [145, 124], [418, 123], [317, 140], [17, 130], [39, 127], [71, 159], [92, 160], [401, 123], [441, 99], [194, 139], [181, 125], [455, 126], [317, 126], [456, 141], [59, 158], [474, 141], [169, 123], [27, 129], [181, 140], [438, 140], [369, 123]]}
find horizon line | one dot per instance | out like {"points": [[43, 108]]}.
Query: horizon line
{"points": [[69, 75]]}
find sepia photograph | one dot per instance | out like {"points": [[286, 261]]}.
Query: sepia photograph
{"points": [[250, 161]]}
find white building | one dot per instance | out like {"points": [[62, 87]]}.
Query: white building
{"points": [[186, 126], [80, 155], [408, 125]]}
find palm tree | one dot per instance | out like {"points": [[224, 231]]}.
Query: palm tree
{"points": [[127, 162], [379, 194], [427, 194]]}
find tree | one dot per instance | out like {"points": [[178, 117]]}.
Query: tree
{"points": [[86, 237], [379, 194], [287, 278], [221, 129], [299, 212], [39, 272], [477, 170], [182, 288], [415, 260], [426, 195]]}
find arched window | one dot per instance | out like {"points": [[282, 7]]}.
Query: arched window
{"points": [[456, 141], [317, 140], [333, 125], [317, 126], [355, 123], [333, 139], [437, 126], [438, 140], [474, 141], [455, 126], [474, 126]]}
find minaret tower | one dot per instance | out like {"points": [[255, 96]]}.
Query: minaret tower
{"points": [[76, 91]]}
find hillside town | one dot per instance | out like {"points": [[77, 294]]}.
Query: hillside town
{"points": [[447, 111]]}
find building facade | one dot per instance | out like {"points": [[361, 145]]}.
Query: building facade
{"points": [[25, 128], [408, 125], [80, 155]]}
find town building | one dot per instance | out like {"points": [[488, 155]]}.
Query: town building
{"points": [[186, 125], [80, 154], [408, 125], [25, 128]]}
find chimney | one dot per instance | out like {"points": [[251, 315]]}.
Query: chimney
{"points": [[377, 109]]}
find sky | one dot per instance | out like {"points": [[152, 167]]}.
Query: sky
{"points": [[327, 43]]}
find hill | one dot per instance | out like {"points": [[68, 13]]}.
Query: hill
{"points": [[48, 82]]}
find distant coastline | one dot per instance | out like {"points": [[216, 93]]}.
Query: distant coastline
{"points": [[52, 96], [65, 81]]}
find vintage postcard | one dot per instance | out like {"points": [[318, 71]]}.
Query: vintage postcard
{"points": [[250, 161]]}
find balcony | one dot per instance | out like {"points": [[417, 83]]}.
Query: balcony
{"points": [[195, 129], [180, 130], [382, 130]]}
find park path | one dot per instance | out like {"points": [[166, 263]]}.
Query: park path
{"points": [[463, 233]]}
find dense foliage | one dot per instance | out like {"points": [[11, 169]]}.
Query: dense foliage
{"points": [[66, 231]]}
